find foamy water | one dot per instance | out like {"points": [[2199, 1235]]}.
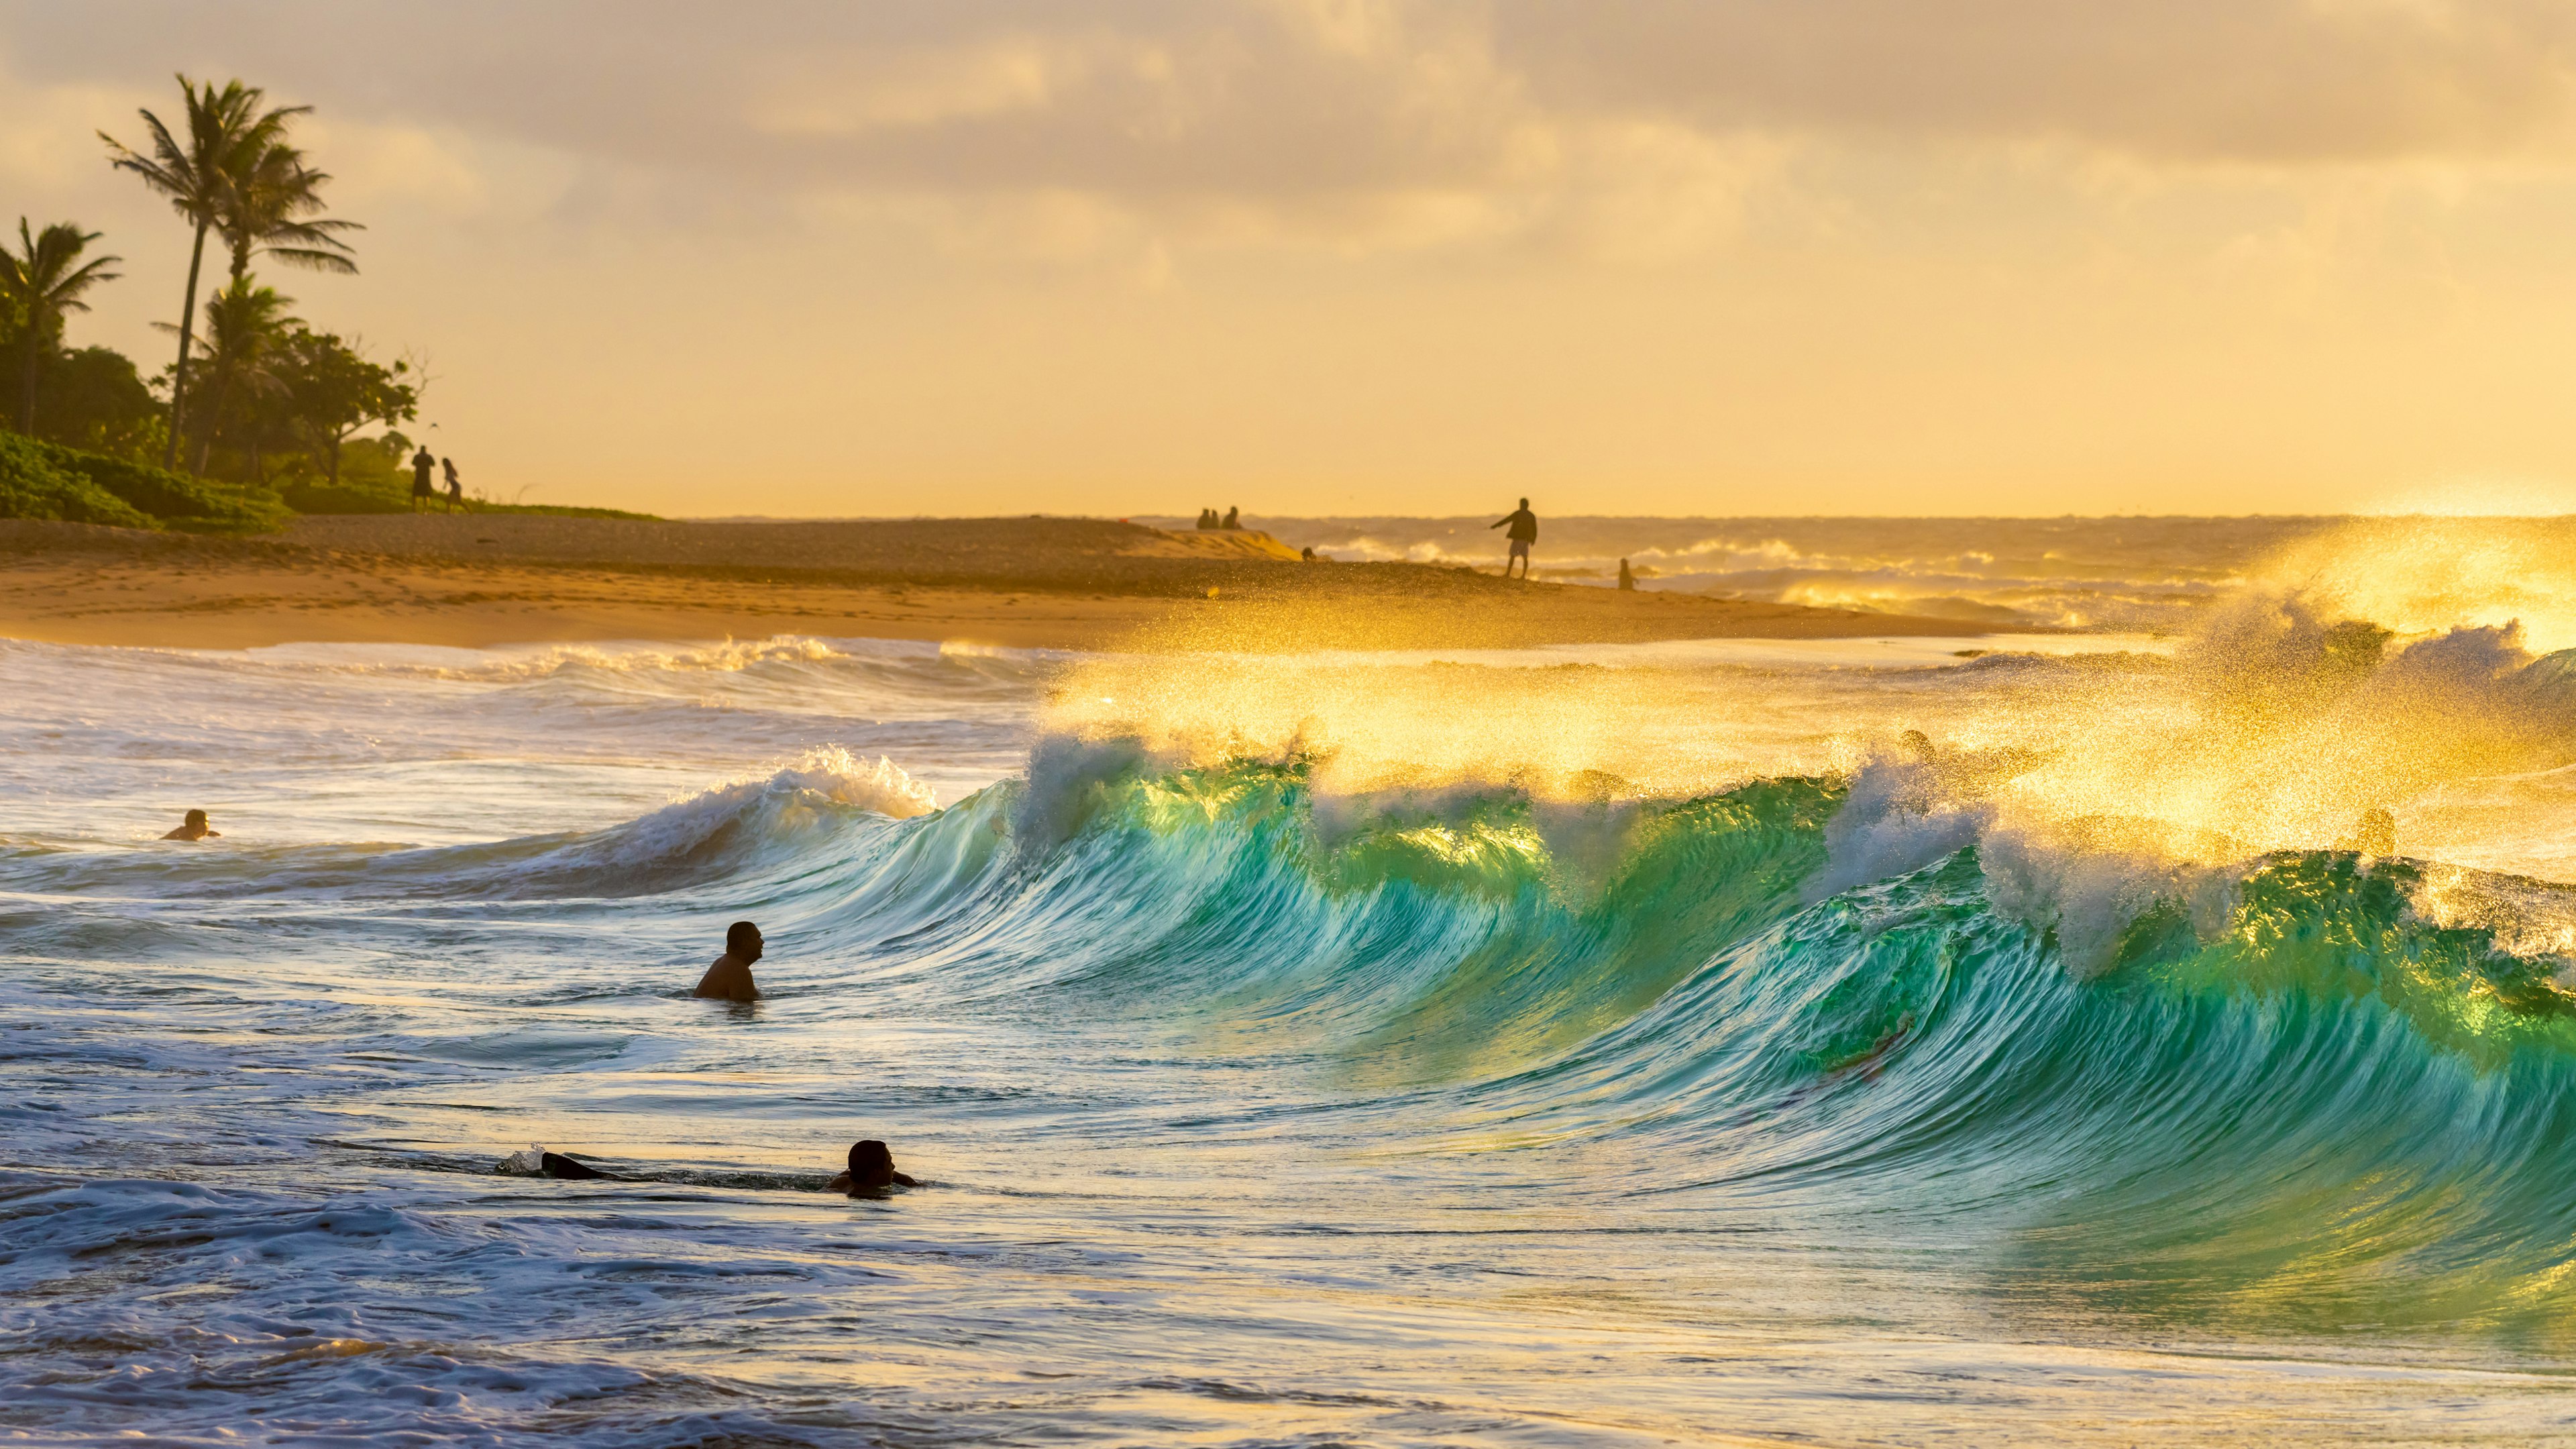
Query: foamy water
{"points": [[1570, 1046]]}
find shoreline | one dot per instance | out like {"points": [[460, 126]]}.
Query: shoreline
{"points": [[480, 580]]}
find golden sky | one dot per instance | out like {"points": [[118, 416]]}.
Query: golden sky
{"points": [[1335, 256]]}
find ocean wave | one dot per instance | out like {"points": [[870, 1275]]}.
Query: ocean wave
{"points": [[786, 816], [2301, 1052]]}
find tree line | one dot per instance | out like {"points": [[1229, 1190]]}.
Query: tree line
{"points": [[254, 394]]}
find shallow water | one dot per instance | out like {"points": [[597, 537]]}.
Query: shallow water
{"points": [[1259, 1098]]}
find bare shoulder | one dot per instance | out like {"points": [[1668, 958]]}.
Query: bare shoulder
{"points": [[727, 980]]}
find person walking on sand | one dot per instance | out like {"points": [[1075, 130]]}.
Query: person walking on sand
{"points": [[1524, 533], [1627, 580], [193, 827], [729, 979], [421, 489], [455, 490]]}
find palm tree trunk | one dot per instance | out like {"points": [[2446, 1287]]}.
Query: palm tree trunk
{"points": [[187, 335], [27, 384], [214, 420]]}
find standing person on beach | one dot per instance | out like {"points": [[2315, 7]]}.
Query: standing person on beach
{"points": [[1524, 533], [421, 488], [455, 490]]}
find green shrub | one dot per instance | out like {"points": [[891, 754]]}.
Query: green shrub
{"points": [[31, 486], [316, 496], [190, 504]]}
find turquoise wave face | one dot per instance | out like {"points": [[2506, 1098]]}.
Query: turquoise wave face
{"points": [[2305, 1107], [2311, 1107]]}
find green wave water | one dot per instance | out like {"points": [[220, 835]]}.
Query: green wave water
{"points": [[2309, 1106]]}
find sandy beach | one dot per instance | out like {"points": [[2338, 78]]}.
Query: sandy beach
{"points": [[479, 580]]}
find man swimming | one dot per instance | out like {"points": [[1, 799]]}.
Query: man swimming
{"points": [[871, 1170], [193, 828], [729, 979]]}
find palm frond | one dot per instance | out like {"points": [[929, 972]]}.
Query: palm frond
{"points": [[314, 261]]}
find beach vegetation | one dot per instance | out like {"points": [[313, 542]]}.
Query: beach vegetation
{"points": [[222, 138], [268, 415], [335, 390], [90, 398], [50, 481], [273, 208], [32, 487], [40, 282], [246, 331]]}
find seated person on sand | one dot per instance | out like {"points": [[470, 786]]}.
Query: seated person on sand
{"points": [[871, 1170], [729, 979], [193, 828]]}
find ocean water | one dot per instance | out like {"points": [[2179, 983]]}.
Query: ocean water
{"points": [[1596, 1045], [2143, 575]]}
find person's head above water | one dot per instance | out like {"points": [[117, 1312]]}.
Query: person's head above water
{"points": [[192, 827], [871, 1168], [729, 979], [871, 1161]]}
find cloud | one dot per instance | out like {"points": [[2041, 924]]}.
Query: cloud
{"points": [[2269, 82], [1617, 129]]}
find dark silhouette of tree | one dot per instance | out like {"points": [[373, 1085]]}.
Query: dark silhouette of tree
{"points": [[333, 391], [226, 135], [273, 209], [246, 331], [44, 280]]}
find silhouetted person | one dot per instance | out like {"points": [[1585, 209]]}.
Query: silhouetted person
{"points": [[1627, 580], [1524, 525], [192, 828], [421, 488], [729, 979], [1231, 517], [1207, 518], [871, 1170], [2378, 831], [455, 489]]}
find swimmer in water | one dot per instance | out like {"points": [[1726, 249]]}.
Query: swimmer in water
{"points": [[193, 828], [729, 979], [871, 1170]]}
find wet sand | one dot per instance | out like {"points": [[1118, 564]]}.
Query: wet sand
{"points": [[480, 580]]}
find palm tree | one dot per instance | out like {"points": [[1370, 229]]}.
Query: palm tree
{"points": [[41, 284], [227, 133], [274, 197], [246, 329]]}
